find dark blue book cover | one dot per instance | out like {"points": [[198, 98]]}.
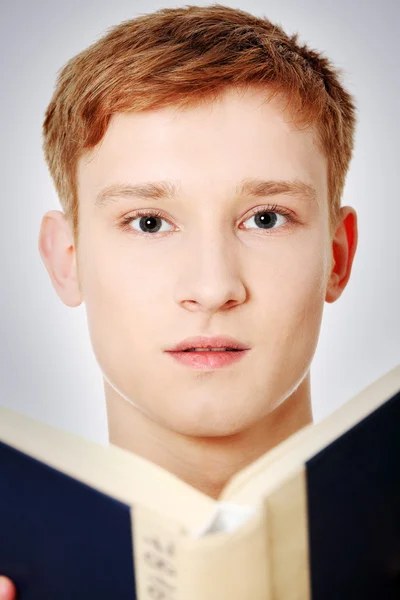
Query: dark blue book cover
{"points": [[59, 538], [353, 494]]}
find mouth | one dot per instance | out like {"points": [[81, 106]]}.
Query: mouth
{"points": [[216, 343], [212, 350], [208, 352]]}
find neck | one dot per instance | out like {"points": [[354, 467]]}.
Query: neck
{"points": [[207, 464]]}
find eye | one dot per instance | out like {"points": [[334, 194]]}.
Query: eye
{"points": [[267, 217], [146, 222]]}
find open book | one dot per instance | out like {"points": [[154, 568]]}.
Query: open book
{"points": [[317, 517]]}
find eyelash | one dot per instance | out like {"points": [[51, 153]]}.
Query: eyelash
{"points": [[270, 208]]}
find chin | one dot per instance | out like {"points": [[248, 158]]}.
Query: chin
{"points": [[212, 423], [208, 431]]}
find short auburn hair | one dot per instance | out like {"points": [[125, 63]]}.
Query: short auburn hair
{"points": [[181, 57]]}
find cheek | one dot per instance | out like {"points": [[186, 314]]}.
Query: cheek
{"points": [[118, 275], [292, 290], [122, 293]]}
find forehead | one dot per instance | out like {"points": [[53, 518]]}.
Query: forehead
{"points": [[213, 145]]}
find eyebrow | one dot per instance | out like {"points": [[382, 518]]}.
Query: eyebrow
{"points": [[158, 190]]}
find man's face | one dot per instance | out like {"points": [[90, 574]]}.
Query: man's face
{"points": [[206, 265]]}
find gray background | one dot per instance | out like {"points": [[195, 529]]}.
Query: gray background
{"points": [[47, 368]]}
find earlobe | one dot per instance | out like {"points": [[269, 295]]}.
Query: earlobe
{"points": [[56, 247], [344, 245]]}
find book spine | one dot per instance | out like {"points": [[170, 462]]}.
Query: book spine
{"points": [[155, 550]]}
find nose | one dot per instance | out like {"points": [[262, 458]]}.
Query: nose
{"points": [[209, 274]]}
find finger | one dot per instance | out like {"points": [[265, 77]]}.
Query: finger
{"points": [[7, 589]]}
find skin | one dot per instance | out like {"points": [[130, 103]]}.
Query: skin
{"points": [[211, 270]]}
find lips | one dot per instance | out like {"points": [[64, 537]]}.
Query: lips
{"points": [[208, 353], [213, 344]]}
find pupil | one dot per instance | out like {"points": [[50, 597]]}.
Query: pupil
{"points": [[150, 223], [266, 219]]}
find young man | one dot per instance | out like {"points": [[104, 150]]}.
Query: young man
{"points": [[200, 156]]}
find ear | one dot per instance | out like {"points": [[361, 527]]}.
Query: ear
{"points": [[56, 247], [344, 245]]}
